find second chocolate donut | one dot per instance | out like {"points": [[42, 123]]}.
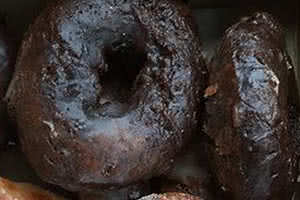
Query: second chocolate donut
{"points": [[247, 116]]}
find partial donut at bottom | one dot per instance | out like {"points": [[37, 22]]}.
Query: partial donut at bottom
{"points": [[171, 196], [24, 191]]}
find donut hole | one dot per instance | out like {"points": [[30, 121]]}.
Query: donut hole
{"points": [[124, 58]]}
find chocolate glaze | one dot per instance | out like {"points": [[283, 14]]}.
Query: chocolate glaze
{"points": [[191, 173], [247, 117], [7, 61], [106, 92]]}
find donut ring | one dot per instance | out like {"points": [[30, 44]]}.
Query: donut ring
{"points": [[106, 92]]}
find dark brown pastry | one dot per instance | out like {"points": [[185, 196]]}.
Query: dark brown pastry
{"points": [[248, 111], [7, 61], [131, 192], [106, 92], [191, 173]]}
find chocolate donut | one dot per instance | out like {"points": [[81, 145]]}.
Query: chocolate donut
{"points": [[107, 92], [7, 61], [248, 114]]}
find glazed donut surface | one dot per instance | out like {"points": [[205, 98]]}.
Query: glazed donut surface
{"points": [[107, 92]]}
